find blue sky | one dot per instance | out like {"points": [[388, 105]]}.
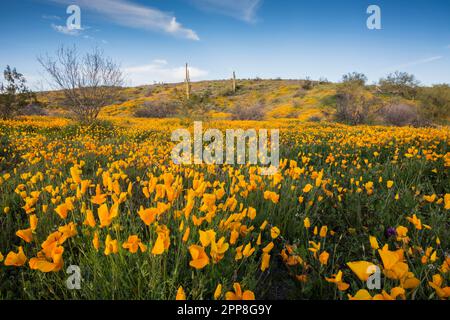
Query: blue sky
{"points": [[152, 39]]}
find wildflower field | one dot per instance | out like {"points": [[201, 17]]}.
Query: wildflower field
{"points": [[108, 199]]}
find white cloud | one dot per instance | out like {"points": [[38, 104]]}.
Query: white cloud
{"points": [[160, 71], [48, 17], [66, 31], [417, 63], [129, 14], [240, 9], [160, 61]]}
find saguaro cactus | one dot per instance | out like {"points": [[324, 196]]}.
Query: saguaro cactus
{"points": [[234, 81], [188, 83]]}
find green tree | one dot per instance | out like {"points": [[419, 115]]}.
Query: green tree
{"points": [[400, 83], [14, 94], [355, 77]]}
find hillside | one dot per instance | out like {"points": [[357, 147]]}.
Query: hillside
{"points": [[295, 99]]}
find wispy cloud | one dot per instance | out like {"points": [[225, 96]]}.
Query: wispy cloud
{"points": [[50, 17], [160, 71], [240, 9], [129, 14], [66, 31], [416, 63], [160, 61], [76, 32]]}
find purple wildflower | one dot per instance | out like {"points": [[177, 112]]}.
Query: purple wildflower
{"points": [[390, 232]]}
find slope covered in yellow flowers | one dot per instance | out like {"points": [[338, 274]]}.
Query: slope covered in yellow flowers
{"points": [[278, 98], [281, 98]]}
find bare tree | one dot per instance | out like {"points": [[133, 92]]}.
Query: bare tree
{"points": [[89, 82]]}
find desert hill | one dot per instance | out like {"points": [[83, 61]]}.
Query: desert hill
{"points": [[276, 99]]}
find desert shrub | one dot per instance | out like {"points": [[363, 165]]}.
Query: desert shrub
{"points": [[227, 92], [301, 93], [435, 103], [149, 91], [293, 114], [352, 105], [34, 109], [323, 81], [315, 119], [355, 77], [400, 114], [120, 99], [308, 84], [423, 122], [401, 84], [156, 110], [255, 112], [197, 106], [328, 100], [14, 94]]}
